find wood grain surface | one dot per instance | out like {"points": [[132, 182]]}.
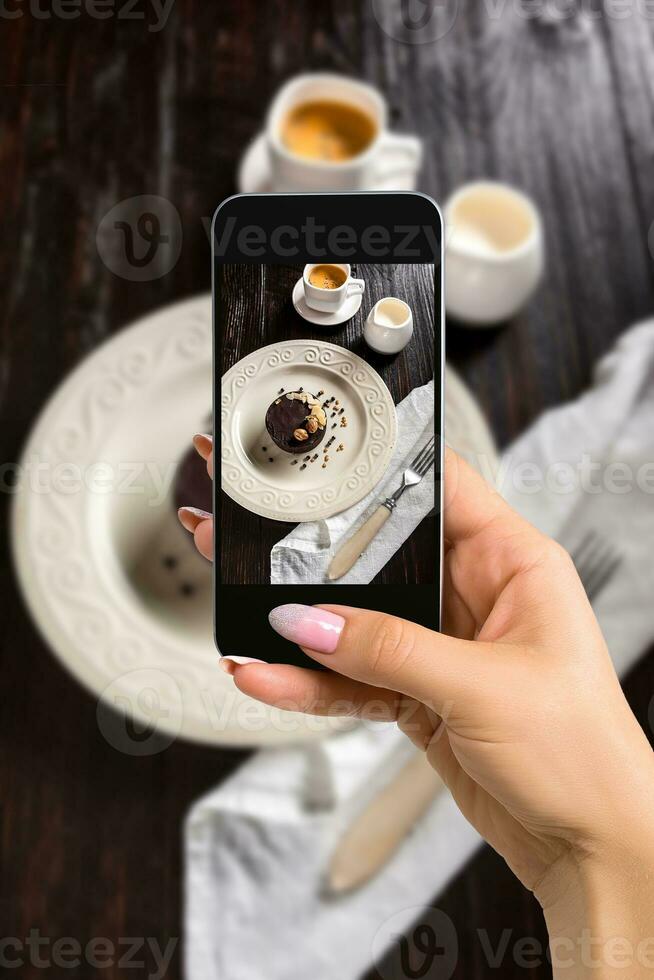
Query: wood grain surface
{"points": [[256, 310], [96, 111]]}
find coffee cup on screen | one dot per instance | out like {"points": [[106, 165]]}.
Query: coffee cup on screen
{"points": [[327, 286], [328, 132]]}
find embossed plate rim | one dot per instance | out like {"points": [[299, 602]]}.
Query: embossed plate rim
{"points": [[196, 690], [297, 510]]}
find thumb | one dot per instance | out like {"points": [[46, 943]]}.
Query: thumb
{"points": [[387, 652]]}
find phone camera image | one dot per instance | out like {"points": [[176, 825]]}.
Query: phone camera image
{"points": [[329, 416]]}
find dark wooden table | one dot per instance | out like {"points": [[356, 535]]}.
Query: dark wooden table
{"points": [[95, 111], [256, 310]]}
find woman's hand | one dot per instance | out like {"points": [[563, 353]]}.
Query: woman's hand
{"points": [[516, 705]]}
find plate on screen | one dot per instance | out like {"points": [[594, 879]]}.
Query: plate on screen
{"points": [[352, 457]]}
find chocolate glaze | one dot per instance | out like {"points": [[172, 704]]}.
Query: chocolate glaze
{"points": [[284, 418]]}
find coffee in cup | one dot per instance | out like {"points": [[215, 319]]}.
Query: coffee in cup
{"points": [[327, 130], [327, 276]]}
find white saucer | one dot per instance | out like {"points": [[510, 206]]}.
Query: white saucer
{"points": [[89, 563], [346, 311], [253, 175]]}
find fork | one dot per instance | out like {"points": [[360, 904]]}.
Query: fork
{"points": [[596, 561], [351, 551]]}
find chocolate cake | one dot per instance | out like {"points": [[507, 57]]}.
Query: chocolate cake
{"points": [[296, 421]]}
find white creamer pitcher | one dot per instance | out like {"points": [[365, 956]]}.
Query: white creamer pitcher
{"points": [[389, 326]]}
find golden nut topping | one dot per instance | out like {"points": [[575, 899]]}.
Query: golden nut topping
{"points": [[312, 424], [301, 435]]}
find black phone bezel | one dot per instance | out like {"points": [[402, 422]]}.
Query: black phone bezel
{"points": [[243, 230]]}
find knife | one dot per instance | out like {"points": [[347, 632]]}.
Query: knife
{"points": [[379, 829]]}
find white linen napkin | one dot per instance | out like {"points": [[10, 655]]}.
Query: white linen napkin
{"points": [[256, 848], [596, 459], [303, 555]]}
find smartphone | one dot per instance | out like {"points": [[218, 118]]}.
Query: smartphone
{"points": [[328, 386]]}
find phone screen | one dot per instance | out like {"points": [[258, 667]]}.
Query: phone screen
{"points": [[328, 421]]}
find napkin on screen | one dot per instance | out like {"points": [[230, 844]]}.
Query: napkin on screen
{"points": [[256, 846]]}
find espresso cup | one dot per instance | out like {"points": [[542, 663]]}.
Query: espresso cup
{"points": [[387, 157], [330, 300], [495, 252]]}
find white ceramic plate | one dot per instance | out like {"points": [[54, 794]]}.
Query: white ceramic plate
{"points": [[90, 559], [346, 311], [282, 490]]}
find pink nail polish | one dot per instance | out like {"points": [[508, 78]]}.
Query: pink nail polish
{"points": [[239, 661], [308, 626], [190, 517], [203, 444]]}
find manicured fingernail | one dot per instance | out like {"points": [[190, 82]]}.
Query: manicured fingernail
{"points": [[190, 517], [308, 626], [203, 444], [229, 664]]}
